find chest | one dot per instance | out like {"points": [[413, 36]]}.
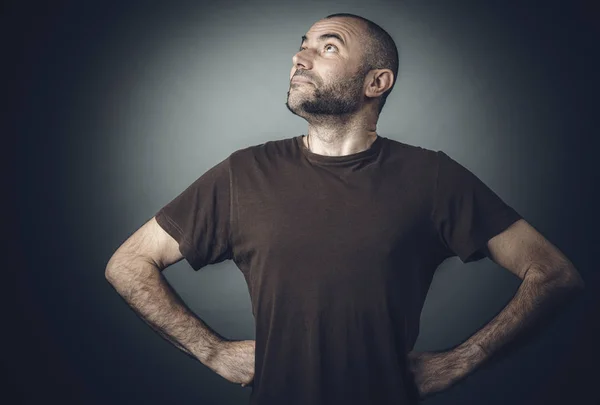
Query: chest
{"points": [[354, 218]]}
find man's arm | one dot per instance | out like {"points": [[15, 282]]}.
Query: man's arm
{"points": [[134, 271], [549, 279]]}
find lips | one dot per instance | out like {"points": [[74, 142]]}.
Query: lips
{"points": [[300, 79]]}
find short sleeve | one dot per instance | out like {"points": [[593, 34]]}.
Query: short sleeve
{"points": [[199, 218], [466, 212]]}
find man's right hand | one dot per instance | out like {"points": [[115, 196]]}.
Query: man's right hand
{"points": [[234, 361]]}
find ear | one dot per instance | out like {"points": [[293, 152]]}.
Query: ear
{"points": [[378, 82]]}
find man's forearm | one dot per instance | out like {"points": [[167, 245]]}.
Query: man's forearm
{"points": [[537, 297], [145, 289]]}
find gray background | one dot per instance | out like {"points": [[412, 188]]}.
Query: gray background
{"points": [[119, 107]]}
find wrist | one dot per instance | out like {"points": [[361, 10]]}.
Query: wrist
{"points": [[209, 352], [470, 355]]}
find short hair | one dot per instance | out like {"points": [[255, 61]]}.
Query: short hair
{"points": [[381, 52]]}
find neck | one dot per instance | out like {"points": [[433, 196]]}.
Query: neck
{"points": [[341, 138]]}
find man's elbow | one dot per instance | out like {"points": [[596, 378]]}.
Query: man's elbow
{"points": [[578, 282], [112, 271], [120, 266], [572, 279]]}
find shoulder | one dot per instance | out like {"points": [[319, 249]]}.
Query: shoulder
{"points": [[414, 156], [267, 150], [407, 148]]}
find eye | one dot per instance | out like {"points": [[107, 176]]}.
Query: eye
{"points": [[303, 48], [330, 45]]}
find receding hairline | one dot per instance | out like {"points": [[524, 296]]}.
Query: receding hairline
{"points": [[363, 26], [364, 36]]}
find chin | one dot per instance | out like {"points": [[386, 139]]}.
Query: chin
{"points": [[295, 107], [295, 102]]}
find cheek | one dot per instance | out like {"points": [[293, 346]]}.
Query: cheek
{"points": [[333, 74]]}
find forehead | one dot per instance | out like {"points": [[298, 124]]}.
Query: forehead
{"points": [[350, 29]]}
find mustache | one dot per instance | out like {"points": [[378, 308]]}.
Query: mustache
{"points": [[302, 73]]}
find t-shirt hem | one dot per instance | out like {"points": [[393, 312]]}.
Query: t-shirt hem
{"points": [[500, 222], [186, 249]]}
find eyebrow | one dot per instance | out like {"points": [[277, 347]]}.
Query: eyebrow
{"points": [[325, 36]]}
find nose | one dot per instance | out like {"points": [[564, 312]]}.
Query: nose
{"points": [[302, 60]]}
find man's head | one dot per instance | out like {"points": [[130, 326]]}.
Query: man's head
{"points": [[352, 64]]}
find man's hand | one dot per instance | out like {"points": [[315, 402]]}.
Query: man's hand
{"points": [[436, 371], [234, 361]]}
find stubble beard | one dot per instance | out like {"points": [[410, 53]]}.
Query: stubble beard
{"points": [[339, 99]]}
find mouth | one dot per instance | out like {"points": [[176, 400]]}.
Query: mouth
{"points": [[298, 84], [299, 79]]}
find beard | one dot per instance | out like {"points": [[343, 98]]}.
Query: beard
{"points": [[340, 98]]}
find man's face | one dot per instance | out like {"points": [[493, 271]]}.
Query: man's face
{"points": [[334, 68]]}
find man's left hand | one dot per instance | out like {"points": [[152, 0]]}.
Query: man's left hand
{"points": [[436, 371]]}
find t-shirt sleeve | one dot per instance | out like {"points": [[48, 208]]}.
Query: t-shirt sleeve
{"points": [[466, 212], [199, 218]]}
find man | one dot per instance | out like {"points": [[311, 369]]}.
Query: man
{"points": [[338, 235]]}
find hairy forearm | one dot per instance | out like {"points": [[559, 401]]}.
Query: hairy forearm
{"points": [[146, 291], [537, 297]]}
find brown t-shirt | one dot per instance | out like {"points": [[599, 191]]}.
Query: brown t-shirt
{"points": [[338, 253]]}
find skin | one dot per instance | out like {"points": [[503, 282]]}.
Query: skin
{"points": [[340, 105], [340, 108], [549, 280], [135, 271]]}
